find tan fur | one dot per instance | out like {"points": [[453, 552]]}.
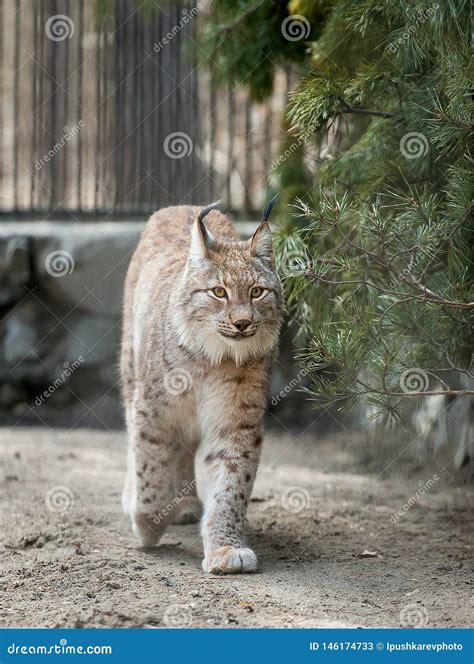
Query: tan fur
{"points": [[192, 378]]}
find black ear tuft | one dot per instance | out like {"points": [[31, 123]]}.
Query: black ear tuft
{"points": [[213, 206], [267, 210]]}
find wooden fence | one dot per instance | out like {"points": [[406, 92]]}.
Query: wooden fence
{"points": [[120, 118]]}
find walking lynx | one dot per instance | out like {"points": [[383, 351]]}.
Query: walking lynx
{"points": [[202, 315]]}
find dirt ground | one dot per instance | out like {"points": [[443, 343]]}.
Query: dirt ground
{"points": [[338, 543]]}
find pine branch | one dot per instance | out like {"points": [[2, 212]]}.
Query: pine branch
{"points": [[225, 29], [365, 111]]}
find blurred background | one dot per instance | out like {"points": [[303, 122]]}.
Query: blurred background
{"points": [[110, 110]]}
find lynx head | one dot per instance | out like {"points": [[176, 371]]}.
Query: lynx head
{"points": [[230, 297]]}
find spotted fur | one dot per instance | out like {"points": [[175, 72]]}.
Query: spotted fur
{"points": [[195, 370]]}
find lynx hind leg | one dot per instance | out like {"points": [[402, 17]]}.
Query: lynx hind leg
{"points": [[127, 492], [189, 509], [153, 475]]}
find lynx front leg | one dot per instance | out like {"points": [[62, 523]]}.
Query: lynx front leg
{"points": [[232, 415]]}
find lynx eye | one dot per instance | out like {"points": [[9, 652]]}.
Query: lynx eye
{"points": [[219, 291], [256, 292]]}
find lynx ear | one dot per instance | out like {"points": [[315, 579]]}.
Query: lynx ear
{"points": [[261, 243], [200, 240]]}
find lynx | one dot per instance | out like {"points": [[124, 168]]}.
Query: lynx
{"points": [[202, 314]]}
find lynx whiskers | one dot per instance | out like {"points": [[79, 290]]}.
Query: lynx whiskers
{"points": [[202, 314]]}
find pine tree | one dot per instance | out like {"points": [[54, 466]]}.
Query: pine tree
{"points": [[376, 255]]}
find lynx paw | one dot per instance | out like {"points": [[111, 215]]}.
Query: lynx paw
{"points": [[189, 511], [228, 560], [147, 531]]}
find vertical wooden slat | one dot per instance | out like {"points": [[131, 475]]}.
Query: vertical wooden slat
{"points": [[80, 55], [267, 143], [16, 102], [248, 154], [35, 82], [230, 144], [136, 199], [118, 99], [96, 161], [212, 133], [41, 201], [53, 110], [65, 82]]}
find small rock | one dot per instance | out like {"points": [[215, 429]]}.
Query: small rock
{"points": [[367, 553]]}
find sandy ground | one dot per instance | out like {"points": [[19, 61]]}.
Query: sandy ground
{"points": [[331, 551]]}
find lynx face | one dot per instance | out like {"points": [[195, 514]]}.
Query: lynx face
{"points": [[230, 296]]}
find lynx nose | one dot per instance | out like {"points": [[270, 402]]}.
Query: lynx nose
{"points": [[242, 324]]}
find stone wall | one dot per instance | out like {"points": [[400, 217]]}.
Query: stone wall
{"points": [[60, 296]]}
